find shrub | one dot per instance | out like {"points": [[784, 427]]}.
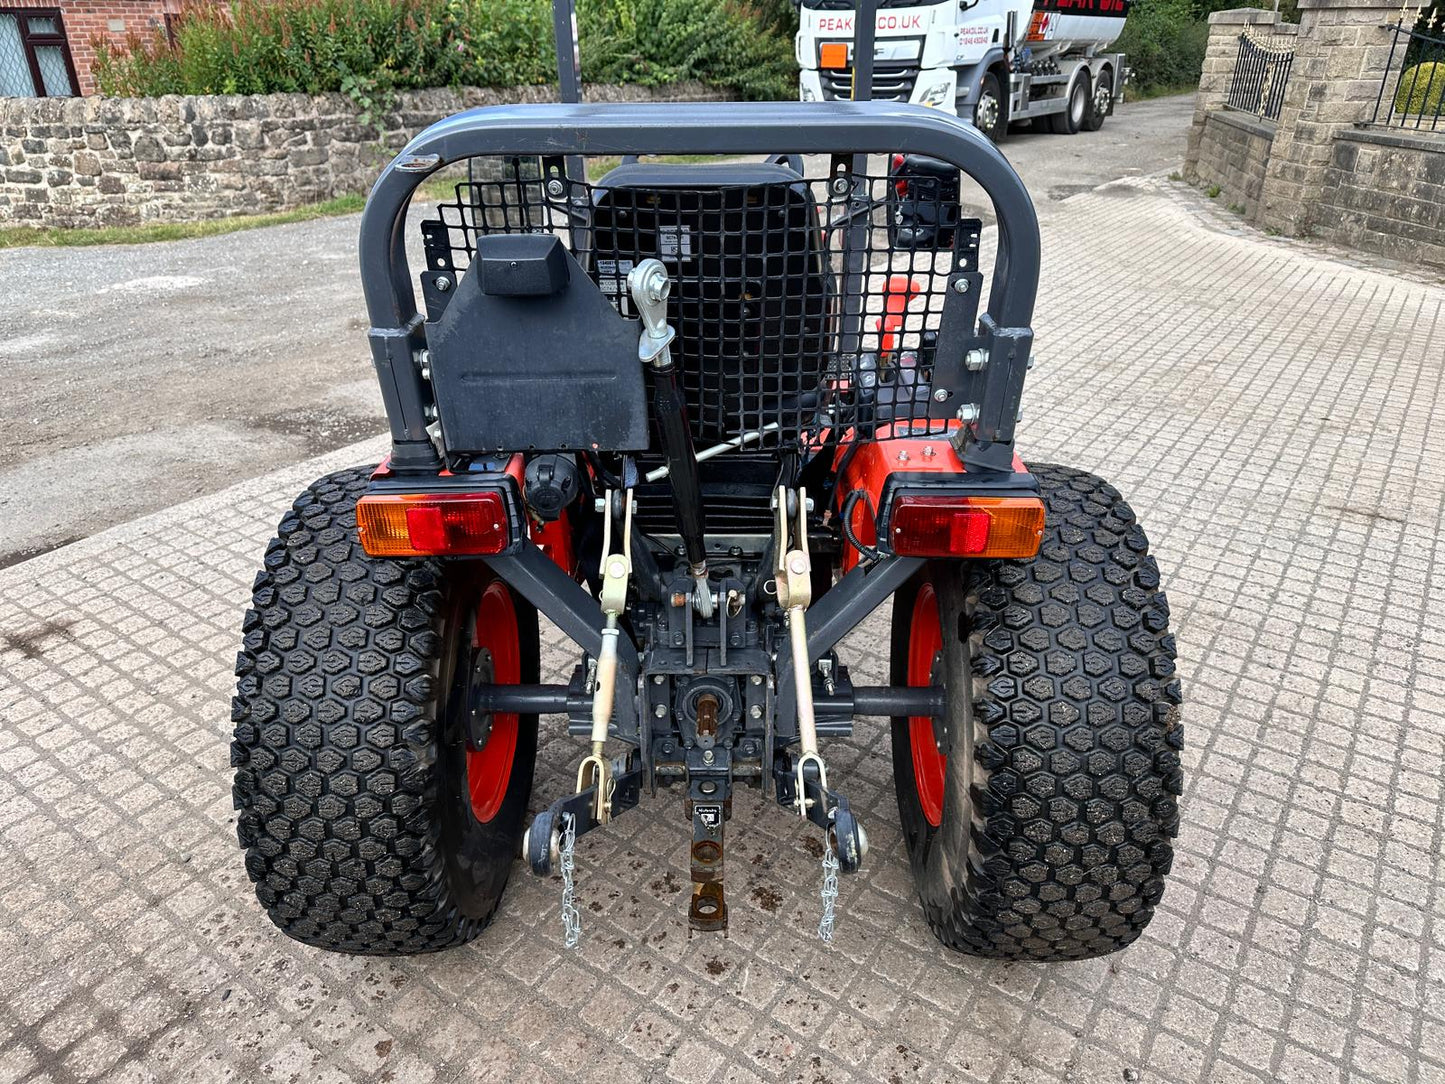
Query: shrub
{"points": [[369, 47], [1164, 41], [1422, 89]]}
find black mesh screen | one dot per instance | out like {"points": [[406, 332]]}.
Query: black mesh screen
{"points": [[806, 309]]}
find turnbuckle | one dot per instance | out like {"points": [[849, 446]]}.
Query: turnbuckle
{"points": [[794, 577], [595, 769]]}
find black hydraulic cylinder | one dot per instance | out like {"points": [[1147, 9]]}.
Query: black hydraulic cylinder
{"points": [[670, 410]]}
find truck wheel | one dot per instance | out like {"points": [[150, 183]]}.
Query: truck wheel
{"points": [[1076, 112], [1102, 103], [1038, 813], [990, 113], [368, 824]]}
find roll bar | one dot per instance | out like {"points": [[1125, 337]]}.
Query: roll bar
{"points": [[724, 128]]}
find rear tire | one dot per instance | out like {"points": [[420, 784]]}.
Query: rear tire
{"points": [[1042, 830], [368, 824], [1076, 111], [1101, 104]]}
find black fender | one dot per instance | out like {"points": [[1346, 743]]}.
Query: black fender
{"points": [[971, 78]]}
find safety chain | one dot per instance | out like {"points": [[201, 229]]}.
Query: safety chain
{"points": [[830, 891], [571, 917]]}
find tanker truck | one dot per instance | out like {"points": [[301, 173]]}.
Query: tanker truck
{"points": [[996, 62]]}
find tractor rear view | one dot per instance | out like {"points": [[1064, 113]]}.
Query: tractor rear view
{"points": [[705, 418]]}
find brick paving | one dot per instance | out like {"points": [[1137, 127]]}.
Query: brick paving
{"points": [[1272, 414]]}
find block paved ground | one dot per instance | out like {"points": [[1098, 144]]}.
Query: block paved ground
{"points": [[1275, 417]]}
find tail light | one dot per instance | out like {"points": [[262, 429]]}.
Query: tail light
{"points": [[958, 526], [433, 524]]}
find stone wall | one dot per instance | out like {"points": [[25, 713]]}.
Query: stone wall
{"points": [[1234, 148], [120, 161], [1384, 191], [1322, 169]]}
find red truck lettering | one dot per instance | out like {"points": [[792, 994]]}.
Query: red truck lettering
{"points": [[843, 24]]}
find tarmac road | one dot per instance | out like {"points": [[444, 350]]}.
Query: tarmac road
{"points": [[139, 376]]}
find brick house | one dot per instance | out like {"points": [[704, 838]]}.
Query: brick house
{"points": [[46, 46]]}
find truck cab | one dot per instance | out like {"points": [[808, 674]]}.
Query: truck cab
{"points": [[990, 61]]}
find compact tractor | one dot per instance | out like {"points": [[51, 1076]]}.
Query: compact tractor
{"points": [[706, 417]]}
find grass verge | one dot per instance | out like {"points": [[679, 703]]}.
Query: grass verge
{"points": [[58, 237], [441, 187], [1134, 93]]}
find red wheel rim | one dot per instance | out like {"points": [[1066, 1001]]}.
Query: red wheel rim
{"points": [[489, 769], [925, 640]]}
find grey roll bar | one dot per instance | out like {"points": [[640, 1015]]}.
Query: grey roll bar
{"points": [[727, 128]]}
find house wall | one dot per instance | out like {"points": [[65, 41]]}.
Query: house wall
{"points": [[87, 21]]}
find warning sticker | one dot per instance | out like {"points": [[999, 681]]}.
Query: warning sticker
{"points": [[674, 242]]}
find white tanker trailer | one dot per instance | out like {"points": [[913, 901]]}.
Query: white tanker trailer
{"points": [[996, 62]]}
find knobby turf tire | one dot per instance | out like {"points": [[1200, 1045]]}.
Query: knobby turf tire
{"points": [[1058, 796], [351, 781]]}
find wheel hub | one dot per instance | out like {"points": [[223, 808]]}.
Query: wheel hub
{"points": [[1103, 94], [484, 672], [986, 114]]}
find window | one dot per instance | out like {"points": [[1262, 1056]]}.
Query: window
{"points": [[34, 57]]}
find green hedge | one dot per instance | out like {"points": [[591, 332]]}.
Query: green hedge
{"points": [[1422, 89], [1164, 41], [370, 47]]}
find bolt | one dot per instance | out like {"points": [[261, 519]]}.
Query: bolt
{"points": [[659, 679], [679, 599], [555, 188], [798, 565], [660, 711], [840, 185], [941, 395], [968, 413], [975, 360], [755, 712], [442, 283], [707, 786], [902, 456], [757, 679], [707, 756], [928, 451], [960, 286]]}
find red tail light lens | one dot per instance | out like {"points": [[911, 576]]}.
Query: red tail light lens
{"points": [[433, 524], [966, 526]]}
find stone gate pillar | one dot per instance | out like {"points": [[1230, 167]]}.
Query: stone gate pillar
{"points": [[1343, 48], [1220, 54]]}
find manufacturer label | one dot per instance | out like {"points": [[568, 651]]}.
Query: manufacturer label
{"points": [[612, 276], [710, 815]]}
